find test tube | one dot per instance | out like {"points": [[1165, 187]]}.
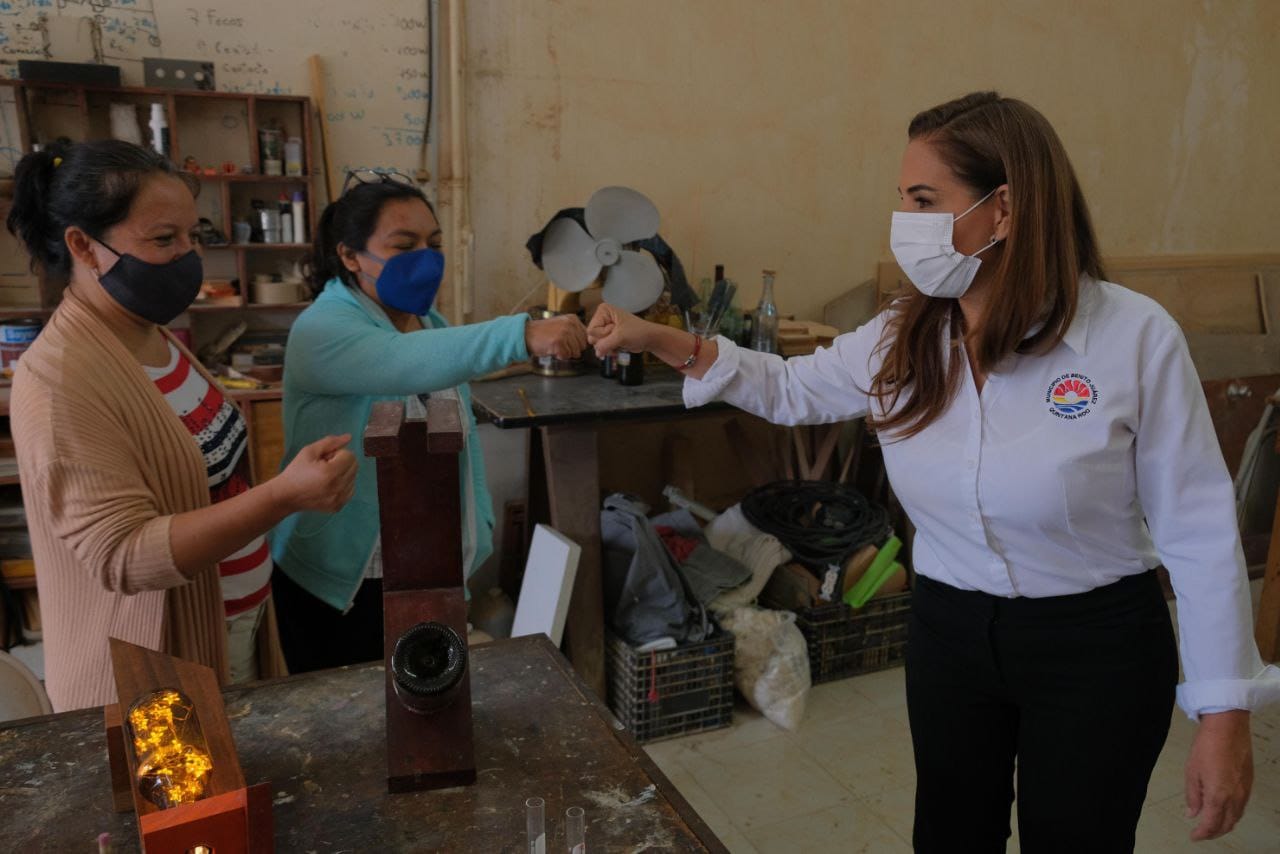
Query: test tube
{"points": [[575, 831], [535, 822]]}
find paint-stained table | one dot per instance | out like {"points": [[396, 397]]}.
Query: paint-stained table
{"points": [[318, 738]]}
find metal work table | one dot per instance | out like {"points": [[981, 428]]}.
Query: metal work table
{"points": [[564, 471], [319, 739]]}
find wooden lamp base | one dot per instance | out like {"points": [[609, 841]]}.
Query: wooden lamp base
{"points": [[232, 816]]}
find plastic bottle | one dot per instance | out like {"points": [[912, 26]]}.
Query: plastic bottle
{"points": [[299, 218], [293, 156], [286, 220], [159, 130]]}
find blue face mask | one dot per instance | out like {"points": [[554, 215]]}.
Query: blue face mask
{"points": [[409, 281]]}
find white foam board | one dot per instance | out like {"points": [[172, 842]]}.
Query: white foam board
{"points": [[547, 586]]}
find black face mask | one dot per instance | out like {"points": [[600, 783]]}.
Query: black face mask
{"points": [[154, 292]]}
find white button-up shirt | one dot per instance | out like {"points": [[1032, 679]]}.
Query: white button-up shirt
{"points": [[1071, 470]]}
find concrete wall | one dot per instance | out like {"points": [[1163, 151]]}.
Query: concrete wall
{"points": [[769, 133]]}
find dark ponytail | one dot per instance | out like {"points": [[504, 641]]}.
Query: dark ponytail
{"points": [[349, 221], [90, 185]]}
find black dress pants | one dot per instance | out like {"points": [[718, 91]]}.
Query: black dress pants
{"points": [[316, 636], [1074, 692]]}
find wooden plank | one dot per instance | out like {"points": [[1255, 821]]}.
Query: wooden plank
{"points": [[1127, 263], [267, 418], [144, 90], [572, 465], [748, 455], [218, 821], [251, 120], [443, 741], [121, 779], [826, 449], [444, 425], [315, 67], [420, 506], [382, 433], [24, 117], [1220, 302]]}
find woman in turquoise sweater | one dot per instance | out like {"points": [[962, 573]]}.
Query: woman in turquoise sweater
{"points": [[372, 335]]}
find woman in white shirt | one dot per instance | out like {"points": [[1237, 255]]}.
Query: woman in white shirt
{"points": [[1047, 434]]}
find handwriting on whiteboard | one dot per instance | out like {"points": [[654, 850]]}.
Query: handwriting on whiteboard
{"points": [[377, 64]]}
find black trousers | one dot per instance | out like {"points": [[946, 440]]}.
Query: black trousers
{"points": [[315, 636], [1076, 692]]}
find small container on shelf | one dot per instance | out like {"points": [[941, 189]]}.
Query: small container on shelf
{"points": [[271, 150], [16, 335], [274, 289], [293, 156]]}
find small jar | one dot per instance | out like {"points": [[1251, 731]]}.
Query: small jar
{"points": [[630, 368], [609, 367]]}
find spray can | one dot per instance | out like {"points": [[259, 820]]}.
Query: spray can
{"points": [[286, 220], [299, 218]]}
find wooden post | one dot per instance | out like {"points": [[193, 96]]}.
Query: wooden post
{"points": [[420, 504], [572, 467]]}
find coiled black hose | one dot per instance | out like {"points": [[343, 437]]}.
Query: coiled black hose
{"points": [[820, 522]]}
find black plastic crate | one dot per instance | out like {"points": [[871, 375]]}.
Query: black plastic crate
{"points": [[845, 642], [672, 692]]}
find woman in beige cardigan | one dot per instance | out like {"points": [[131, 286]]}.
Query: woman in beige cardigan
{"points": [[117, 485]]}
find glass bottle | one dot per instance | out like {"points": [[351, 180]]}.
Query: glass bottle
{"points": [[764, 331], [427, 666]]}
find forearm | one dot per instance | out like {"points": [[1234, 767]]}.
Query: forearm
{"points": [[203, 537], [674, 346]]}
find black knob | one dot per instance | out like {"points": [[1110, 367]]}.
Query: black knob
{"points": [[427, 666]]}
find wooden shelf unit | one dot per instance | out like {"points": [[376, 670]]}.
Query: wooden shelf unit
{"points": [[219, 126]]}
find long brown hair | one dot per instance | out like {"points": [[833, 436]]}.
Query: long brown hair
{"points": [[988, 141]]}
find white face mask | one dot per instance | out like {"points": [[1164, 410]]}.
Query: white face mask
{"points": [[922, 244]]}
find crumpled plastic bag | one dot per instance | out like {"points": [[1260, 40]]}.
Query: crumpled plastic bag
{"points": [[770, 663]]}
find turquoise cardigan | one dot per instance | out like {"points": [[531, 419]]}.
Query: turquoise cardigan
{"points": [[343, 355]]}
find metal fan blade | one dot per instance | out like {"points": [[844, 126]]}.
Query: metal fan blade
{"points": [[634, 283], [622, 214], [569, 256]]}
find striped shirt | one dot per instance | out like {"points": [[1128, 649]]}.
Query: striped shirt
{"points": [[219, 430]]}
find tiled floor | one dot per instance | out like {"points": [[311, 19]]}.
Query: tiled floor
{"points": [[844, 782]]}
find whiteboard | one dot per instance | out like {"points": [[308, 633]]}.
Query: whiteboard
{"points": [[375, 53]]}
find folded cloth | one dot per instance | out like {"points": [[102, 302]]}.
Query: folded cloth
{"points": [[706, 572], [730, 533]]}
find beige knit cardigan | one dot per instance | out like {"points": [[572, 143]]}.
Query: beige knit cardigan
{"points": [[105, 464]]}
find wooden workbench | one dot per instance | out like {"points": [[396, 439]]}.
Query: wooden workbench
{"points": [[566, 414], [318, 738]]}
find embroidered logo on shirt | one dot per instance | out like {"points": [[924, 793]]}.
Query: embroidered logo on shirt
{"points": [[1071, 396]]}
